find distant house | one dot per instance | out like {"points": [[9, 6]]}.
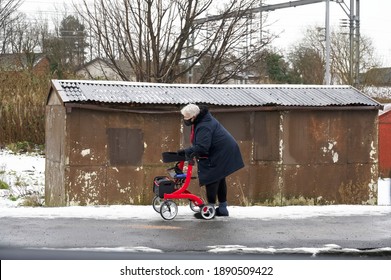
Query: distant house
{"points": [[36, 62], [300, 144], [377, 83], [104, 69], [379, 77]]}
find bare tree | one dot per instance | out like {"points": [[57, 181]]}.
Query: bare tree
{"points": [[8, 15], [339, 53], [166, 41], [308, 64], [25, 36], [7, 9]]}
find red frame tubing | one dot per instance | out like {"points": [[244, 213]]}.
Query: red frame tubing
{"points": [[182, 192]]}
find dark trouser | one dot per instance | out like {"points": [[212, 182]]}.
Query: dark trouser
{"points": [[219, 189]]}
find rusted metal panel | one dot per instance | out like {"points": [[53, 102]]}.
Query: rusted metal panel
{"points": [[161, 134], [329, 184], [91, 135], [296, 171], [312, 184], [329, 137], [86, 138], [318, 149], [236, 123], [85, 185], [360, 185], [266, 127], [125, 146], [385, 145], [362, 146], [262, 185], [124, 185], [314, 137]]}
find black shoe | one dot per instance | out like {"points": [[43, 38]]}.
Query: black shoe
{"points": [[198, 215], [222, 212]]}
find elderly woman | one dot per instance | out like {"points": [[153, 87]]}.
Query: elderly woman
{"points": [[217, 151]]}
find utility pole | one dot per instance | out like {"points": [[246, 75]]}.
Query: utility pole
{"points": [[353, 13], [327, 78], [354, 23], [351, 38], [357, 20]]}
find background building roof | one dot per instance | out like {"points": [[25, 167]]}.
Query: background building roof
{"points": [[224, 95]]}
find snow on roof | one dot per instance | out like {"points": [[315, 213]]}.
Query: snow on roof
{"points": [[386, 108]]}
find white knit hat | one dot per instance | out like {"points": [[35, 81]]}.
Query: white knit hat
{"points": [[189, 111]]}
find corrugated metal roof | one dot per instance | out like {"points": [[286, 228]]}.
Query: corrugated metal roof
{"points": [[224, 95]]}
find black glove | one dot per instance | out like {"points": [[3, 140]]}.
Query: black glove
{"points": [[181, 152]]}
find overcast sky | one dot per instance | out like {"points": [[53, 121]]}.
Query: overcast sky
{"points": [[290, 23], [375, 22]]}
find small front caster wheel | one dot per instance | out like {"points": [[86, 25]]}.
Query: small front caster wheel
{"points": [[168, 210], [156, 202], [194, 207], [208, 212]]}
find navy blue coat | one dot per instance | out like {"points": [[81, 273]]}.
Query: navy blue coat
{"points": [[218, 151]]}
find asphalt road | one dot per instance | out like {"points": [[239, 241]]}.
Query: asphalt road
{"points": [[75, 238]]}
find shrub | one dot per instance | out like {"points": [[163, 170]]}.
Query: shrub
{"points": [[4, 185], [32, 201]]}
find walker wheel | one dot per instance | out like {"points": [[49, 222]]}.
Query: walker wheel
{"points": [[168, 210], [194, 207], [156, 203], [208, 212]]}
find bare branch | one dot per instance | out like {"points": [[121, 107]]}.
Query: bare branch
{"points": [[163, 41]]}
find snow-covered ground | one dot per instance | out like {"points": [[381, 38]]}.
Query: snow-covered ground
{"points": [[25, 173]]}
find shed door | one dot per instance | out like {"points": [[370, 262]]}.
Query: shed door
{"points": [[125, 146]]}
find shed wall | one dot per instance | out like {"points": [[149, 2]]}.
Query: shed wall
{"points": [[55, 134], [96, 172], [291, 157], [330, 156]]}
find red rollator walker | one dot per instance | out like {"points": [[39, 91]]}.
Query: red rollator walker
{"points": [[175, 187]]}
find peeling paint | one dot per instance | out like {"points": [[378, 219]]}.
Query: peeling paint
{"points": [[373, 184], [373, 152], [88, 189], [329, 149], [335, 156], [85, 152], [277, 169]]}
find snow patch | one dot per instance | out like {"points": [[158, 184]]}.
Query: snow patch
{"points": [[328, 248], [137, 249]]}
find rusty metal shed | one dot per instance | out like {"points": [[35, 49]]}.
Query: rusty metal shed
{"points": [[301, 144]]}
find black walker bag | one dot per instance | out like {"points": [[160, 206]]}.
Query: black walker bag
{"points": [[162, 185]]}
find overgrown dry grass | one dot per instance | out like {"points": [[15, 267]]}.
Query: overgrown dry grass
{"points": [[22, 107]]}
